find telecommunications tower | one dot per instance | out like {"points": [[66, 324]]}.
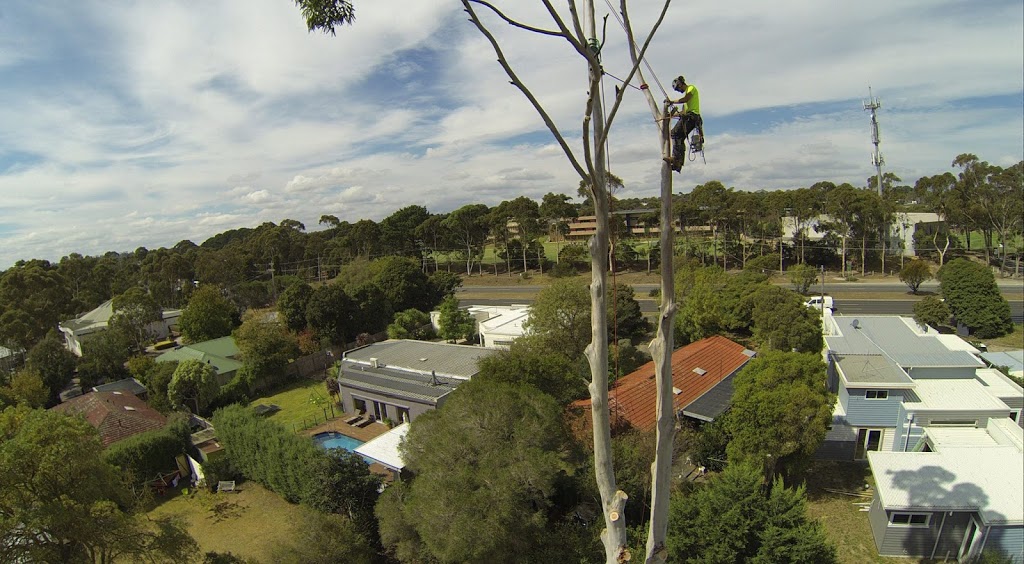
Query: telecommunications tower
{"points": [[872, 105]]}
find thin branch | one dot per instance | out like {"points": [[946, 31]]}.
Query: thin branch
{"points": [[526, 92], [575, 21], [637, 59], [514, 23], [655, 110], [578, 43]]}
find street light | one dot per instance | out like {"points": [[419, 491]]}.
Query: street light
{"points": [[823, 291]]}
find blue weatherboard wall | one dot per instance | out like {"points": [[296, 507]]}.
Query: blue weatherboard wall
{"points": [[863, 412], [1010, 540], [899, 442]]}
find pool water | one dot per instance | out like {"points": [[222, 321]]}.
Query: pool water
{"points": [[336, 440]]}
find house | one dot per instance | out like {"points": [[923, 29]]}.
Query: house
{"points": [[960, 492], [702, 375], [941, 431], [901, 232], [221, 353], [891, 376], [117, 415], [77, 330], [496, 325], [399, 379]]}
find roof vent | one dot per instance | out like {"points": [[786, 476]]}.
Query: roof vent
{"points": [[855, 324], [423, 360], [374, 363], [676, 390], [117, 393], [699, 371], [129, 408]]}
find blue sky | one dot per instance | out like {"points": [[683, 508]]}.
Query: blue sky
{"points": [[165, 120]]}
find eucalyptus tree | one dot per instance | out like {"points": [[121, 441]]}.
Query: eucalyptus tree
{"points": [[468, 226], [556, 211], [938, 194], [578, 28]]}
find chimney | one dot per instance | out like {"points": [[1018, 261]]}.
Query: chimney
{"points": [[374, 363]]}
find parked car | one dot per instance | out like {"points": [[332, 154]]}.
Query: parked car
{"points": [[817, 301]]}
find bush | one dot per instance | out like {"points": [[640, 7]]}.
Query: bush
{"points": [[219, 469], [802, 277], [974, 298], [562, 270], [148, 454]]}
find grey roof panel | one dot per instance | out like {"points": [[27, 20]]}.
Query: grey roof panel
{"points": [[865, 370], [893, 336], [458, 361], [713, 402]]}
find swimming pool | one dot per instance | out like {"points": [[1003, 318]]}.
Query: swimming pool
{"points": [[331, 439]]}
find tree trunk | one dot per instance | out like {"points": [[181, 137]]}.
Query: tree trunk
{"points": [[661, 351], [863, 252], [844, 255]]}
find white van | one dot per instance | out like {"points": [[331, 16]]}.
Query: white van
{"points": [[816, 302]]}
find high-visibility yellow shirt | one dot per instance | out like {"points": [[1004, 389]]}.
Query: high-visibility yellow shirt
{"points": [[693, 104]]}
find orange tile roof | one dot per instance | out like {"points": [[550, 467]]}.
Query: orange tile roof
{"points": [[632, 397], [117, 415]]}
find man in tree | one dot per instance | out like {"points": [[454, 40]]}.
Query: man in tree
{"points": [[688, 120]]}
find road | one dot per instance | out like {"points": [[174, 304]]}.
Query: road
{"points": [[891, 298]]}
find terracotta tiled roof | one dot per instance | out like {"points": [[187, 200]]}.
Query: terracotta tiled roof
{"points": [[632, 397], [116, 415]]}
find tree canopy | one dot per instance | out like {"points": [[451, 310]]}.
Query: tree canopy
{"points": [[974, 299], [208, 315], [193, 385]]}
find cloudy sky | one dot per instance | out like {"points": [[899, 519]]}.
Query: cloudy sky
{"points": [[143, 123]]}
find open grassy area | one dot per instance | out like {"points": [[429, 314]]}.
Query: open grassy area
{"points": [[301, 404], [1013, 341], [247, 524], [844, 523]]}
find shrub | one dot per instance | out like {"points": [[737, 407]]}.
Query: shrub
{"points": [[562, 270], [148, 454]]}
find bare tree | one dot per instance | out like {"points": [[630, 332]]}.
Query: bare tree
{"points": [[582, 37]]}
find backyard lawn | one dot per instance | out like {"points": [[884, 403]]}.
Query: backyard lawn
{"points": [[248, 523], [302, 404], [844, 523]]}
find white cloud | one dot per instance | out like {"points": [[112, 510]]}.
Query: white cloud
{"points": [[120, 133]]}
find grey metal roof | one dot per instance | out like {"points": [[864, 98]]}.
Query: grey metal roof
{"points": [[896, 337], [130, 385], [388, 381], [713, 402], [1012, 359], [457, 361], [870, 370]]}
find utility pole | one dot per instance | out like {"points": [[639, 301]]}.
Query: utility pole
{"points": [[872, 105]]}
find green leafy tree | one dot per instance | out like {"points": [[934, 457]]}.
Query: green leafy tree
{"points": [[974, 299], [444, 284], [455, 323], [560, 315], [736, 518], [134, 310], [785, 408], [331, 313], [54, 363], [701, 311], [292, 305], [103, 357], [624, 316], [208, 315], [494, 505], [411, 324], [194, 384], [802, 277], [468, 227], [402, 282], [782, 322], [529, 360], [266, 347], [931, 311], [157, 380], [27, 388], [60, 502], [915, 273]]}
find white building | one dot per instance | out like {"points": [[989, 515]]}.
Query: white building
{"points": [[80, 328], [497, 326]]}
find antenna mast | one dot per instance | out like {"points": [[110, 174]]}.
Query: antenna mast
{"points": [[872, 105]]}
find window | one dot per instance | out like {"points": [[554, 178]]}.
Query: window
{"points": [[877, 394], [954, 422], [911, 519]]}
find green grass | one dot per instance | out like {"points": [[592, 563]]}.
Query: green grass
{"points": [[248, 523], [301, 403], [845, 524], [1013, 341]]}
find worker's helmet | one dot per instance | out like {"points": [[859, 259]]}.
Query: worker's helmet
{"points": [[679, 82]]}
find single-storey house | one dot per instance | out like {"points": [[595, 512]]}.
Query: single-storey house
{"points": [[117, 415], [702, 375], [79, 329], [220, 353], [399, 379], [959, 493]]}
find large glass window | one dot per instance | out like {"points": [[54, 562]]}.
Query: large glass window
{"points": [[877, 394], [911, 519]]}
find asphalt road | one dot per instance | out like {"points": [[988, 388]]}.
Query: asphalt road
{"points": [[890, 300]]}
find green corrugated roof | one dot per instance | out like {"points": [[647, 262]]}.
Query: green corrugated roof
{"points": [[218, 352]]}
